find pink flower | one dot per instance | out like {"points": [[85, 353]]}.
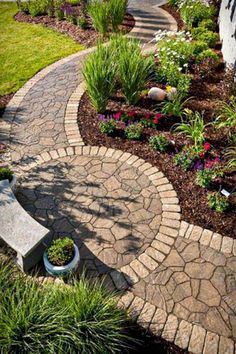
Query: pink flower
{"points": [[207, 146], [131, 114], [117, 115]]}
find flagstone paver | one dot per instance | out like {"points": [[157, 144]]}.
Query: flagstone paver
{"points": [[176, 279]]}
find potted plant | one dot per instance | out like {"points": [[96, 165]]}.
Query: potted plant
{"points": [[7, 174], [62, 257]]}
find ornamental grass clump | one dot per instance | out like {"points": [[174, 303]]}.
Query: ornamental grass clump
{"points": [[117, 10], [61, 251], [133, 70], [99, 73], [99, 11], [81, 317]]}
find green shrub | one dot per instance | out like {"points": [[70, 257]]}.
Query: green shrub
{"points": [[159, 142], [99, 11], [199, 47], [108, 126], [57, 9], [37, 7], [23, 6], [77, 318], [133, 68], [117, 11], [209, 37], [183, 85], [82, 22], [194, 11], [217, 202], [134, 131], [99, 73], [6, 173], [208, 53], [208, 25], [61, 251]]}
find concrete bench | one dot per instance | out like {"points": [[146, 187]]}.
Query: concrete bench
{"points": [[19, 230]]}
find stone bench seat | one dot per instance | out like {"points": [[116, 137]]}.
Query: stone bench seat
{"points": [[19, 230]]}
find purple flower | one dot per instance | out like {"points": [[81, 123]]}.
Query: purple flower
{"points": [[198, 165], [101, 117]]}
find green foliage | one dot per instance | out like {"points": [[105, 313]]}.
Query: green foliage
{"points": [[169, 73], [77, 318], [194, 11], [185, 159], [82, 22], [206, 176], [99, 12], [208, 53], [5, 173], [108, 126], [173, 2], [73, 2], [23, 6], [133, 68], [159, 142], [61, 251], [37, 8], [117, 11], [209, 37], [99, 73], [175, 107], [199, 47], [208, 24], [183, 86], [227, 116], [134, 131], [230, 155], [193, 128], [217, 202]]}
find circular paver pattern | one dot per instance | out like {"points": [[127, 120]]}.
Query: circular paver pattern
{"points": [[110, 208]]}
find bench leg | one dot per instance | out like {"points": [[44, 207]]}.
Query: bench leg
{"points": [[31, 259]]}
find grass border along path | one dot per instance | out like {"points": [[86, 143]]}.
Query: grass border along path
{"points": [[25, 49]]}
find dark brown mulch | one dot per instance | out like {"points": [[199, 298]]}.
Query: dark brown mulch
{"points": [[87, 37], [193, 199], [145, 342]]}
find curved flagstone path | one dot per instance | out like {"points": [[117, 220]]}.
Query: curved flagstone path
{"points": [[176, 279]]}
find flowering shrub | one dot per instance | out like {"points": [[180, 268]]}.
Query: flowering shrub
{"points": [[217, 202], [134, 131], [159, 142], [194, 11]]}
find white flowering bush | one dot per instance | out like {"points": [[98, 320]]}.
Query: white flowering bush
{"points": [[194, 11]]}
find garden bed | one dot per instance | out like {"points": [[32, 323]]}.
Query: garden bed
{"points": [[193, 198], [87, 36]]}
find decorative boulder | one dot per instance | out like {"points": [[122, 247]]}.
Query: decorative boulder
{"points": [[156, 94], [171, 93]]}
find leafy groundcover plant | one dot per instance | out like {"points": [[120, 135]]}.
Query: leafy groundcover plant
{"points": [[77, 318], [61, 251]]}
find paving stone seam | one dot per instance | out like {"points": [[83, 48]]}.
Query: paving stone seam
{"points": [[185, 334]]}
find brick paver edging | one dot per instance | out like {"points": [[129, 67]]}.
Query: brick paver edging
{"points": [[184, 334]]}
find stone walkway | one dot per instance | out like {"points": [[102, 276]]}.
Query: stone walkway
{"points": [[176, 279]]}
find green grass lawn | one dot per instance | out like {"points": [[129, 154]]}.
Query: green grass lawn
{"points": [[27, 48]]}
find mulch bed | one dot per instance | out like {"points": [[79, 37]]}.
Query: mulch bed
{"points": [[87, 37], [193, 198], [175, 14], [4, 101]]}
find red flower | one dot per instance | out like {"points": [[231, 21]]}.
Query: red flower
{"points": [[117, 115], [155, 121], [207, 146], [131, 114], [158, 116], [202, 155]]}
